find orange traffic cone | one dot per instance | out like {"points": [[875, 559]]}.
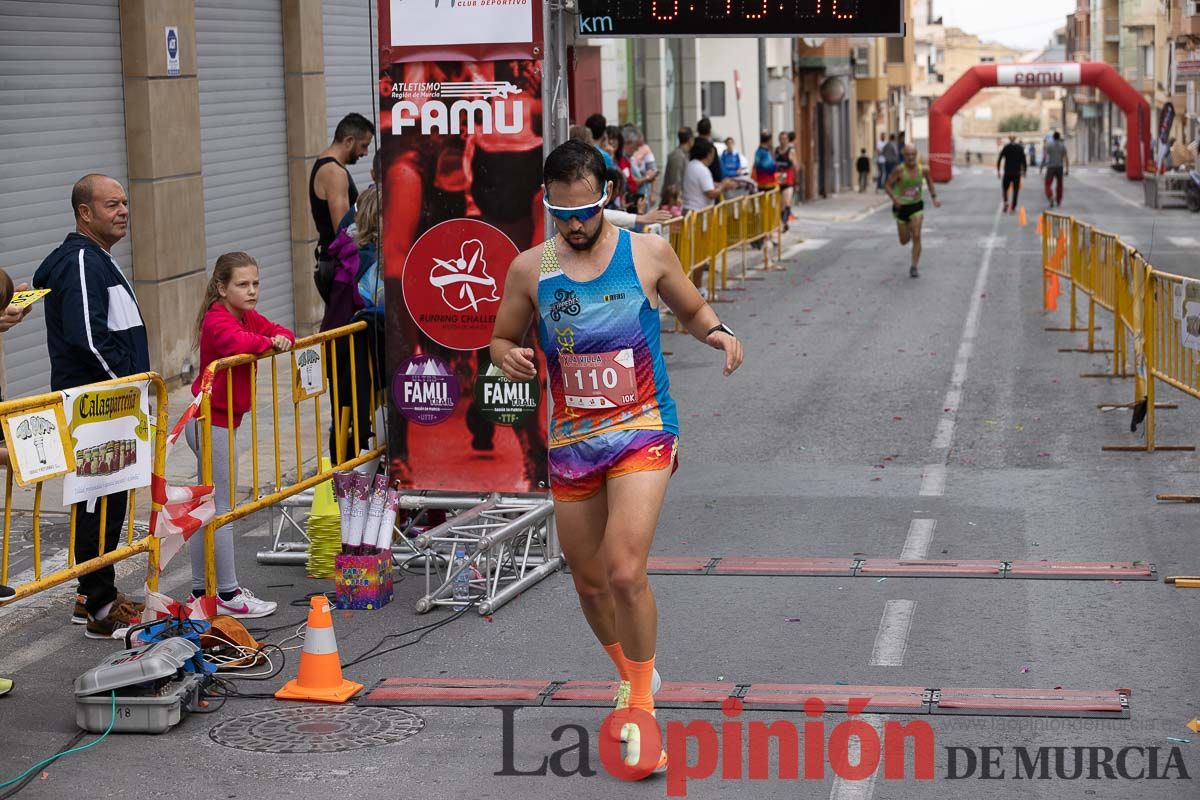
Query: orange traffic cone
{"points": [[1050, 299], [1039, 225], [320, 678], [1021, 217]]}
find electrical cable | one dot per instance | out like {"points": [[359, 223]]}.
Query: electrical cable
{"points": [[375, 652], [28, 775]]}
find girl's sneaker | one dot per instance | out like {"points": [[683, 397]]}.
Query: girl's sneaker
{"points": [[244, 605]]}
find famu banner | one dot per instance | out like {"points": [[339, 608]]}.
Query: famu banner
{"points": [[110, 436]]}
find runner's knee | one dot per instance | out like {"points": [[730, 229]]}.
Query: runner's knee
{"points": [[590, 585], [628, 581]]}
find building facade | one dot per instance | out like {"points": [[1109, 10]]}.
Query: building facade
{"points": [[214, 151]]}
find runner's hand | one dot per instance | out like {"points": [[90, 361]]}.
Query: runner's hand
{"points": [[732, 347], [519, 364], [937, 203], [281, 343]]}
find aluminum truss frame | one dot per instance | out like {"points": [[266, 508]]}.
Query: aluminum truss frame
{"points": [[510, 544], [509, 540]]}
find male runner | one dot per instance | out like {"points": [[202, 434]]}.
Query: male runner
{"points": [[1056, 164], [904, 186], [1012, 156], [595, 290]]}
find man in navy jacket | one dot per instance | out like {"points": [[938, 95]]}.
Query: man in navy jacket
{"points": [[94, 332]]}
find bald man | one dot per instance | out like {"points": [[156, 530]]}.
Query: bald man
{"points": [[94, 332], [905, 186]]}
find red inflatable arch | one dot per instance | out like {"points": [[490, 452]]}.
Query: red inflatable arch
{"points": [[1090, 73]]}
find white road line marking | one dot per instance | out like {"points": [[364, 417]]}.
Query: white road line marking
{"points": [[944, 434], [933, 480], [920, 532], [41, 648], [859, 790], [807, 244], [49, 566], [892, 639], [1115, 194], [1185, 242]]}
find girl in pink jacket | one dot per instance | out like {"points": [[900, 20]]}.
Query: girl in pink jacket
{"points": [[228, 325]]}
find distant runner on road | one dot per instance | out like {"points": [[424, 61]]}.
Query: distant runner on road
{"points": [[1012, 157], [1057, 166], [905, 186]]}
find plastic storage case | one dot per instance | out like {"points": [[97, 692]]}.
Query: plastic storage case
{"points": [[152, 690]]}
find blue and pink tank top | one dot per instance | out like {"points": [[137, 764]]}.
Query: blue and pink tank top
{"points": [[601, 340]]}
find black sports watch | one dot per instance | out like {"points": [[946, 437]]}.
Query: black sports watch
{"points": [[722, 328]]}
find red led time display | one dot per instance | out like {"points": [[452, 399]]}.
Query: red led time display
{"points": [[620, 18]]}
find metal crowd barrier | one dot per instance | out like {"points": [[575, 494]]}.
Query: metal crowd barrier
{"points": [[308, 472], [147, 544], [1149, 312], [703, 239]]}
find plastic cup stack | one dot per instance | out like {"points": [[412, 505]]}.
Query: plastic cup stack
{"points": [[324, 531]]}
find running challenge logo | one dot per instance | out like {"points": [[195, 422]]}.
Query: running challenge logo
{"points": [[452, 279], [455, 107], [464, 281]]}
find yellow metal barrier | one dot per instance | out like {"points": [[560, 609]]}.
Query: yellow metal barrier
{"points": [[1148, 309], [703, 238], [147, 544], [302, 402]]}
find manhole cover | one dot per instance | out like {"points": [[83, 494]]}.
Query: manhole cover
{"points": [[317, 730]]}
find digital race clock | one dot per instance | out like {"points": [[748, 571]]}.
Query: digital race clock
{"points": [[621, 18]]}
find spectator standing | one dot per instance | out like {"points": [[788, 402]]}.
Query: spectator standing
{"points": [[94, 332], [10, 317], [765, 173], [880, 162], [699, 189], [229, 325], [677, 161], [733, 163], [642, 157], [704, 131], [331, 190], [864, 170], [785, 169], [891, 156], [597, 124], [1032, 157], [614, 143]]}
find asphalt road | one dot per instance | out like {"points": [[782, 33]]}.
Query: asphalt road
{"points": [[876, 415]]}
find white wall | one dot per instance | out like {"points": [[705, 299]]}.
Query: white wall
{"points": [[612, 77], [718, 58]]}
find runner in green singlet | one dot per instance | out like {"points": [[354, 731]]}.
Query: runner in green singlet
{"points": [[905, 186]]}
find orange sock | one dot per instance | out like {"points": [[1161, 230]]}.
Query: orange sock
{"points": [[617, 654], [641, 675]]}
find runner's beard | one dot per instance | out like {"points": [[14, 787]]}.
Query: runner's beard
{"points": [[588, 243]]}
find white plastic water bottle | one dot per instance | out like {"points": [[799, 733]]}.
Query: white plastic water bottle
{"points": [[462, 581]]}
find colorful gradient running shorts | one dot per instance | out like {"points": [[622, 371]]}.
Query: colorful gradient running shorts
{"points": [[578, 470]]}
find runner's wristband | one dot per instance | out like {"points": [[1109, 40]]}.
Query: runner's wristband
{"points": [[722, 327]]}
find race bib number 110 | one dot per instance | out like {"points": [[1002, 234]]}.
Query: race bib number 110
{"points": [[599, 380]]}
